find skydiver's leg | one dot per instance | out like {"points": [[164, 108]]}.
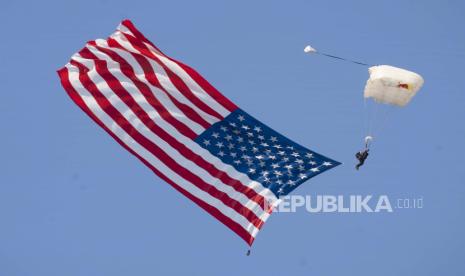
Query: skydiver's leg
{"points": [[359, 157], [361, 161]]}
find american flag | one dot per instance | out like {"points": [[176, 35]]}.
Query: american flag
{"points": [[188, 133]]}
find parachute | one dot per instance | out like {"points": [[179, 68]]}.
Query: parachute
{"points": [[392, 85]]}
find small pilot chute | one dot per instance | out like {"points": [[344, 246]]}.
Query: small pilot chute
{"points": [[309, 49]]}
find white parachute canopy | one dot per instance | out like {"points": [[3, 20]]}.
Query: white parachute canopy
{"points": [[392, 85]]}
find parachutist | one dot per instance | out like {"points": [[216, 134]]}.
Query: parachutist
{"points": [[248, 253], [361, 156]]}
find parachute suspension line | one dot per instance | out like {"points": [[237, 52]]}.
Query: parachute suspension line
{"points": [[376, 116], [309, 49], [374, 119], [366, 117], [383, 119], [366, 131], [372, 110]]}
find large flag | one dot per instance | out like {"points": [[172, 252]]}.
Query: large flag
{"points": [[188, 133]]}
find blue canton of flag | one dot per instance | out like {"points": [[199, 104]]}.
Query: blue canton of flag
{"points": [[263, 154]]}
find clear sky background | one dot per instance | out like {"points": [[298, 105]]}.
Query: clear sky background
{"points": [[74, 203]]}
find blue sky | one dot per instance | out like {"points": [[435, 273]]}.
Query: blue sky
{"points": [[73, 202]]}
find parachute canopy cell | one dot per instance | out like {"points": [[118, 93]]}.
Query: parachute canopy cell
{"points": [[392, 85]]}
